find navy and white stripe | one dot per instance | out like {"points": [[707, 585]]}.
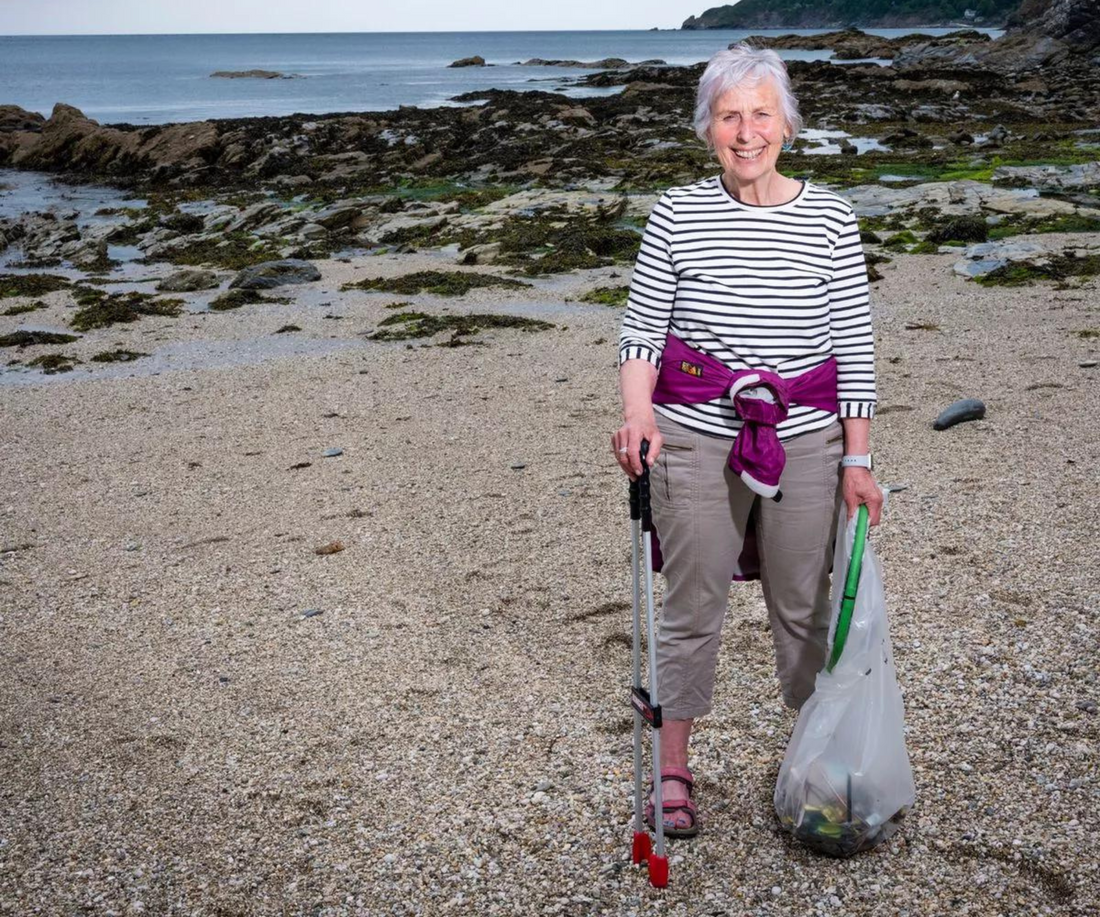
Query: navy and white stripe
{"points": [[779, 288]]}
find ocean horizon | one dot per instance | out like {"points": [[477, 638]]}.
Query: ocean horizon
{"points": [[157, 79]]}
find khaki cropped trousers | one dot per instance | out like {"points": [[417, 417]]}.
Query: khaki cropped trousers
{"points": [[701, 510]]}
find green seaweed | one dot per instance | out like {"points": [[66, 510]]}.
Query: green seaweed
{"points": [[404, 326], [555, 241], [118, 356], [109, 309], [35, 338], [53, 363], [900, 242], [959, 229], [23, 310], [607, 296], [409, 235], [1070, 222], [30, 284], [442, 283], [1058, 267], [235, 250], [234, 299]]}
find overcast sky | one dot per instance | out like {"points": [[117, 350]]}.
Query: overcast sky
{"points": [[73, 17]]}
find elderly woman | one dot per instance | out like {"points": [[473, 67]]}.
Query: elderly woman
{"points": [[747, 362]]}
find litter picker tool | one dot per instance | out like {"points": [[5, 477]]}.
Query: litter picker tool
{"points": [[645, 702]]}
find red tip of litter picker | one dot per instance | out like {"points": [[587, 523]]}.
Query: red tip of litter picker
{"points": [[658, 871], [641, 847]]}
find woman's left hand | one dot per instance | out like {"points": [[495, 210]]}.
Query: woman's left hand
{"points": [[859, 487]]}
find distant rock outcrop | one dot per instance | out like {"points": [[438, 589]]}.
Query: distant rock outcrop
{"points": [[253, 75], [1042, 34], [608, 63], [1074, 22], [852, 44], [832, 14], [476, 61]]}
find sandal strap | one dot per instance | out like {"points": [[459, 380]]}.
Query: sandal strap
{"points": [[672, 807], [680, 775]]}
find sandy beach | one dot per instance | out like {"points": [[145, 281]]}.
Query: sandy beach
{"points": [[200, 714]]}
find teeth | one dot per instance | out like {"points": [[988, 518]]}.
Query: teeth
{"points": [[748, 154]]}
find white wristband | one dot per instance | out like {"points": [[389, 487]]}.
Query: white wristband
{"points": [[856, 461]]}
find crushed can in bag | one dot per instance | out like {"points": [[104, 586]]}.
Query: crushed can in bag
{"points": [[845, 782]]}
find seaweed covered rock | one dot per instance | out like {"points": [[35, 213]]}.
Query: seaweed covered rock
{"points": [[271, 274]]}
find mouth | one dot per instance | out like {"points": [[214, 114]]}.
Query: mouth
{"points": [[748, 154]]}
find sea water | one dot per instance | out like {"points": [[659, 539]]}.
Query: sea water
{"points": [[155, 79]]}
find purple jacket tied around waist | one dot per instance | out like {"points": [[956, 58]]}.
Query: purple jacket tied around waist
{"points": [[761, 399]]}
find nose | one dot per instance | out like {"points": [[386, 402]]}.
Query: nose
{"points": [[744, 133]]}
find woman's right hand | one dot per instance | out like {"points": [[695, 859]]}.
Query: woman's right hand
{"points": [[626, 443]]}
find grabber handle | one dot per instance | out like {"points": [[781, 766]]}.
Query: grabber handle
{"points": [[643, 489], [639, 492], [851, 585]]}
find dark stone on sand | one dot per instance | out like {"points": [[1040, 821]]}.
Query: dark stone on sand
{"points": [[959, 412], [271, 274]]}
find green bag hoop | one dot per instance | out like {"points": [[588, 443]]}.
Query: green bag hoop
{"points": [[851, 584]]}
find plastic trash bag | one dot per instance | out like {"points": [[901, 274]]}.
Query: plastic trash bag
{"points": [[845, 781]]}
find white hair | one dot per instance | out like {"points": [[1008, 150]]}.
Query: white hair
{"points": [[740, 65]]}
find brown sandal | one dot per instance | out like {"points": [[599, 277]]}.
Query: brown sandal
{"points": [[681, 775]]}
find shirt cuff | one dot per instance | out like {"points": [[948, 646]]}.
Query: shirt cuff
{"points": [[864, 409], [638, 352]]}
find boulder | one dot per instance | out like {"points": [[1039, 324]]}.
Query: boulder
{"points": [[479, 254], [271, 274], [14, 118], [84, 253], [341, 216], [255, 215], [475, 61], [188, 281], [984, 257]]}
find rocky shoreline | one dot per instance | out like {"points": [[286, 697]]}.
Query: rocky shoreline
{"points": [[959, 112]]}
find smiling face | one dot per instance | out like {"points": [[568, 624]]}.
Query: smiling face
{"points": [[747, 129]]}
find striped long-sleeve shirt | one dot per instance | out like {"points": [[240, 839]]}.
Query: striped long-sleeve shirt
{"points": [[781, 288]]}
